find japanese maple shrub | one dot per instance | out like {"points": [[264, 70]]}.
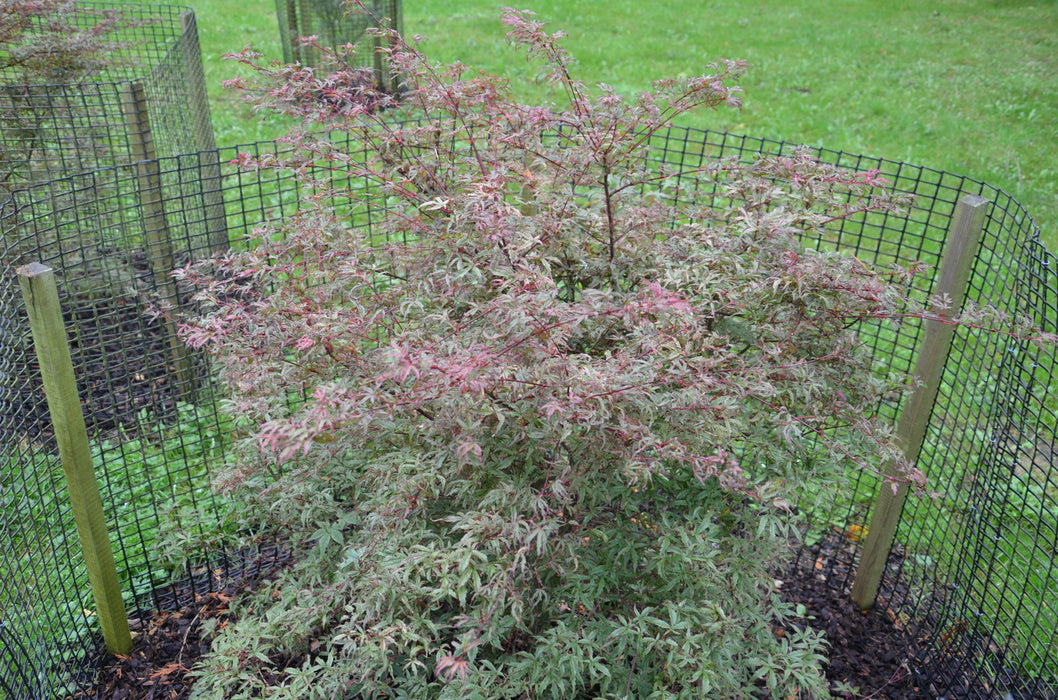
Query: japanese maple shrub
{"points": [[534, 433]]}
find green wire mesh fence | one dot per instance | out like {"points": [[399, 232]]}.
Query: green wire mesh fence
{"points": [[337, 23], [972, 580]]}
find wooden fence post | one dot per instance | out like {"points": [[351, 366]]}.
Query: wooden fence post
{"points": [[288, 16], [157, 243], [56, 368], [209, 175], [391, 82], [306, 27], [959, 252]]}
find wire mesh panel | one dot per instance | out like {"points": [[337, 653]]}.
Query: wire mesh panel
{"points": [[972, 579], [155, 432], [998, 605], [337, 23], [147, 99]]}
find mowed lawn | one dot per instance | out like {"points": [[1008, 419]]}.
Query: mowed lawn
{"points": [[969, 86]]}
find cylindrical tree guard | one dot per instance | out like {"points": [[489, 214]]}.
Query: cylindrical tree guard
{"points": [[54, 128], [336, 23]]}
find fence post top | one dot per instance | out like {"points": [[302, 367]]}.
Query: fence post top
{"points": [[973, 200], [33, 269]]}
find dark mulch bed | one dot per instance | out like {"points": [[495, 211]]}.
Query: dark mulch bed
{"points": [[164, 649], [879, 655], [868, 650], [167, 644]]}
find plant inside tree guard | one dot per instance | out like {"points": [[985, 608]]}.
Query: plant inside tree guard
{"points": [[47, 46], [534, 432]]}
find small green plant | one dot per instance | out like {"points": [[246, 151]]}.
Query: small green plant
{"points": [[135, 471], [534, 432]]}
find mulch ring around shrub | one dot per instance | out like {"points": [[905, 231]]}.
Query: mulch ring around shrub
{"points": [[866, 649], [879, 651], [167, 643], [164, 650]]}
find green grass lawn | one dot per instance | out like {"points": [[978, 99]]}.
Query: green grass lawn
{"points": [[969, 86]]}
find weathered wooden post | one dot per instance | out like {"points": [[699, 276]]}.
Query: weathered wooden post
{"points": [[306, 54], [398, 24], [959, 253], [60, 388], [206, 145], [156, 231], [288, 18]]}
